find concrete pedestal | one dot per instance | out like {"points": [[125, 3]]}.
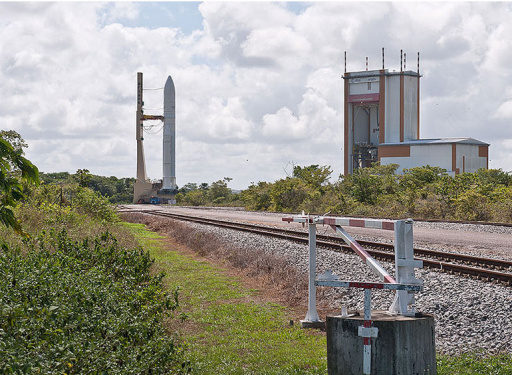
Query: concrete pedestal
{"points": [[404, 346]]}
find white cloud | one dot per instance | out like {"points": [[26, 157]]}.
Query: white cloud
{"points": [[505, 110], [284, 125], [258, 86], [227, 121], [279, 44]]}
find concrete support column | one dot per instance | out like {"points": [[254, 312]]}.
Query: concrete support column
{"points": [[404, 346]]}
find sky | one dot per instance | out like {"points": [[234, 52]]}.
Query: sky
{"points": [[258, 84]]}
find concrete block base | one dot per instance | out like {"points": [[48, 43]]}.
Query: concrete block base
{"points": [[308, 324], [404, 346]]}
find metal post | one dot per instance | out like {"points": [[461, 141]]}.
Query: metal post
{"points": [[312, 315], [367, 350], [141, 163], [405, 265]]}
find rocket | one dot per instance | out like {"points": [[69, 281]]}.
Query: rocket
{"points": [[169, 138]]}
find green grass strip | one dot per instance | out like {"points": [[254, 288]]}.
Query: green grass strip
{"points": [[472, 364], [230, 334], [233, 335]]}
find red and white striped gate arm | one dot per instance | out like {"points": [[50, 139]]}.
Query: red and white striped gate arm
{"points": [[361, 223], [363, 254], [337, 222], [344, 222]]}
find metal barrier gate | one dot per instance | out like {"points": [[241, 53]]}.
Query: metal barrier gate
{"points": [[405, 284]]}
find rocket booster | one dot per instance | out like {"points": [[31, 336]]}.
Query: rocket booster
{"points": [[169, 146]]}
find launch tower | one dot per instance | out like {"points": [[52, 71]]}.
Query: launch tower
{"points": [[161, 191]]}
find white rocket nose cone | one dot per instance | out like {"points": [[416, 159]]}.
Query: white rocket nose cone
{"points": [[169, 138]]}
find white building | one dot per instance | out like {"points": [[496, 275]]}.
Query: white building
{"points": [[382, 123]]}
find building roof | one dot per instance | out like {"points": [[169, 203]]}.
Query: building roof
{"points": [[433, 141], [377, 73]]}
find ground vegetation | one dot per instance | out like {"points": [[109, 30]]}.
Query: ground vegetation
{"points": [[78, 294], [204, 194], [16, 173]]}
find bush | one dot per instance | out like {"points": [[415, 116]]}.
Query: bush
{"points": [[94, 204], [472, 206], [422, 192], [83, 307]]}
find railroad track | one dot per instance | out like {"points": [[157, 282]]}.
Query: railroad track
{"points": [[488, 269]]}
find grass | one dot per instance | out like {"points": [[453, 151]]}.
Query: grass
{"points": [[226, 330], [472, 364], [229, 333]]}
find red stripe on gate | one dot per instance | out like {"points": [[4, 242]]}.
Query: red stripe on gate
{"points": [[366, 341], [389, 280], [388, 225], [356, 223], [366, 285], [367, 324], [359, 250], [330, 221]]}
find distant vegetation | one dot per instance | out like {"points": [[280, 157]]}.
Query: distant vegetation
{"points": [[115, 190], [216, 194], [422, 193]]}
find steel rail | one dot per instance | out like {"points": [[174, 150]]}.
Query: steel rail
{"points": [[443, 261]]}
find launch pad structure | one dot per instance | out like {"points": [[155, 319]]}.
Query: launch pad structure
{"points": [[161, 191]]}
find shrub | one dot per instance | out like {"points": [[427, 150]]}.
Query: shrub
{"points": [[472, 205], [83, 307]]}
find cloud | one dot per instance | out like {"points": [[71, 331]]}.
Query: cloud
{"points": [[227, 120], [258, 85], [279, 46], [505, 110]]}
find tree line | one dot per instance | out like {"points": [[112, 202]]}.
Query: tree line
{"points": [[379, 191]]}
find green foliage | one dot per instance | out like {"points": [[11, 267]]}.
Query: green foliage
{"points": [[287, 194], [83, 307], [188, 187], [15, 140], [80, 200], [192, 198], [75, 302], [83, 176], [422, 192], [367, 184], [116, 190], [307, 190], [55, 178], [216, 194], [93, 204], [313, 175], [475, 364], [421, 176], [257, 197], [15, 170], [219, 192]]}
